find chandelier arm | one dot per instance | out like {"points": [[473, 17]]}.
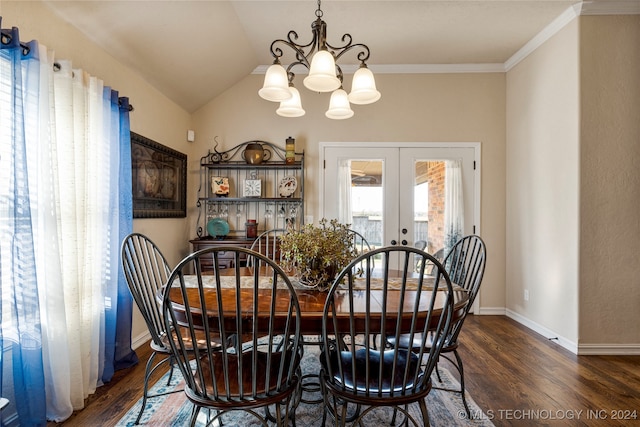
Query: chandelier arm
{"points": [[298, 49], [339, 74], [292, 36], [362, 56], [290, 74], [347, 41]]}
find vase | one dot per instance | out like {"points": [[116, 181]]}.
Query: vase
{"points": [[317, 276], [255, 153]]}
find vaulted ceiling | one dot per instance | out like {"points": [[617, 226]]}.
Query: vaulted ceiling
{"points": [[194, 50]]}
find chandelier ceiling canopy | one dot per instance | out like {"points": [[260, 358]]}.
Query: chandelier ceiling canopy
{"points": [[325, 75]]}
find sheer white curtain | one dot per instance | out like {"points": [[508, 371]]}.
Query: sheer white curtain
{"points": [[344, 191], [75, 138], [454, 203], [84, 180], [43, 166]]}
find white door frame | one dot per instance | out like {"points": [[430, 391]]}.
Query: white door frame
{"points": [[477, 166]]}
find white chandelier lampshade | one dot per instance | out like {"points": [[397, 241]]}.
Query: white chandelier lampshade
{"points": [[339, 107], [363, 87], [276, 84], [322, 73], [291, 107]]}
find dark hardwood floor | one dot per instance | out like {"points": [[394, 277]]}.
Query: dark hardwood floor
{"points": [[515, 375]]}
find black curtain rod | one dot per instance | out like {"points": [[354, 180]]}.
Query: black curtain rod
{"points": [[130, 108], [6, 38], [57, 67]]}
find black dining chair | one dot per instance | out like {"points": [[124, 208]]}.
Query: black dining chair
{"points": [[257, 362], [268, 244], [465, 264], [362, 245], [354, 369], [146, 270], [360, 242]]}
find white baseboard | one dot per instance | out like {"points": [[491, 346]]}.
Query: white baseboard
{"points": [[604, 349], [548, 333], [609, 349], [492, 311], [140, 340]]}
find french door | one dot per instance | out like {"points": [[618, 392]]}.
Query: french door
{"points": [[396, 194]]}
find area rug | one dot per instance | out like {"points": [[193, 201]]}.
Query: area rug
{"points": [[174, 410]]}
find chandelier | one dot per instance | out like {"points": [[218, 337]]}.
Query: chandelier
{"points": [[325, 75]]}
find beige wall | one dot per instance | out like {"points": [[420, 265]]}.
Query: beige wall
{"points": [[542, 178], [573, 185], [610, 180], [420, 108], [155, 116]]}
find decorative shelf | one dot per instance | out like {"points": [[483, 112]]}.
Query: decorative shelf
{"points": [[271, 210]]}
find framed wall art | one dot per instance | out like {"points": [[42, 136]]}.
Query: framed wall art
{"points": [[159, 177]]}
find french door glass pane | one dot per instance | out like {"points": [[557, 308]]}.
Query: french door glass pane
{"points": [[397, 193], [428, 204], [367, 208]]}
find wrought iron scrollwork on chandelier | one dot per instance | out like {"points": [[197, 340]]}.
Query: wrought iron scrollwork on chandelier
{"points": [[325, 75]]}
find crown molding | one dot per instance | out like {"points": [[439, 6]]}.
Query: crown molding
{"points": [[586, 8], [612, 7], [547, 32], [436, 68]]}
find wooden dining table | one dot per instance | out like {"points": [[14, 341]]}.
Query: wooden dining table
{"points": [[311, 302]]}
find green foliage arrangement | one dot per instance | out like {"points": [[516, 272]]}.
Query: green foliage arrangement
{"points": [[318, 253]]}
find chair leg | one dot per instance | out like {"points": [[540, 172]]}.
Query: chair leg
{"points": [[425, 412], [278, 417], [395, 416], [149, 370], [462, 391], [290, 406], [291, 412], [324, 402], [146, 386], [438, 373], [457, 363], [194, 415], [343, 417], [171, 366]]}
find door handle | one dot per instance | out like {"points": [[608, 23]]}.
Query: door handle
{"points": [[404, 231], [404, 242], [393, 242]]}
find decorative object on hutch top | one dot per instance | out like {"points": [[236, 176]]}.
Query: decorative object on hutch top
{"points": [[325, 75], [262, 194], [290, 147], [255, 153], [159, 177]]}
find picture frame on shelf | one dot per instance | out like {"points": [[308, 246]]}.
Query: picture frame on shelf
{"points": [[220, 186], [159, 179]]}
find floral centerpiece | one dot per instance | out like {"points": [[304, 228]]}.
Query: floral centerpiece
{"points": [[318, 253]]}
